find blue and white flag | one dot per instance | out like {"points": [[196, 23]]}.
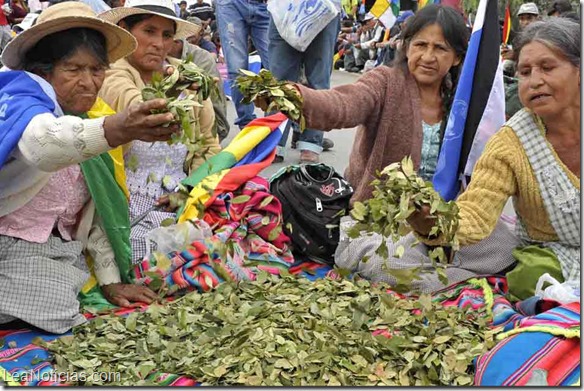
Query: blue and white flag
{"points": [[478, 110]]}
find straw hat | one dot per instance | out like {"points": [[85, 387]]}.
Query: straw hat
{"points": [[164, 8], [65, 16]]}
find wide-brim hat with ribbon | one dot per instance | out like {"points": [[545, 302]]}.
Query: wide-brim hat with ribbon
{"points": [[163, 8], [65, 16]]}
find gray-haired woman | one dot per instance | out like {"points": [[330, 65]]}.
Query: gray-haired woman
{"points": [[50, 212], [535, 160]]}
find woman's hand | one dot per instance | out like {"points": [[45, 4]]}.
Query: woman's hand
{"points": [[165, 203], [263, 102], [194, 86], [507, 53], [137, 123], [123, 295], [421, 221]]}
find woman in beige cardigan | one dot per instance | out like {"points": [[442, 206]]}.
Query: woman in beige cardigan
{"points": [[152, 169]]}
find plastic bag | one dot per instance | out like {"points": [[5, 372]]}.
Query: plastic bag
{"points": [[176, 237], [299, 21], [567, 292]]}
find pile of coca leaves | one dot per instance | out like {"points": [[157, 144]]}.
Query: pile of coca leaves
{"points": [[284, 331]]}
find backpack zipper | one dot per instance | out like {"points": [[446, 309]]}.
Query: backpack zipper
{"points": [[318, 205]]}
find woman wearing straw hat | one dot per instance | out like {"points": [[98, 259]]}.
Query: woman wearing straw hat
{"points": [[160, 167], [58, 193]]}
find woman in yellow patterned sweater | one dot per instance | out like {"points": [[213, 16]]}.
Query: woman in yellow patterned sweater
{"points": [[535, 159]]}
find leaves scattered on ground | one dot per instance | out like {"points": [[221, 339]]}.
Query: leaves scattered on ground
{"points": [[284, 331]]}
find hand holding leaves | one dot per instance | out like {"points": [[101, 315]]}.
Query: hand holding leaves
{"points": [[403, 201], [269, 94], [421, 220], [174, 88]]}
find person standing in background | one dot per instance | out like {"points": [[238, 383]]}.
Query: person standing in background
{"points": [[317, 61], [527, 14], [349, 8], [237, 21], [19, 11], [560, 7], [203, 11], [183, 12]]}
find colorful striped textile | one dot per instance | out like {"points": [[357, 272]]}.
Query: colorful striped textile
{"points": [[506, 24], [252, 150], [543, 349], [247, 223]]}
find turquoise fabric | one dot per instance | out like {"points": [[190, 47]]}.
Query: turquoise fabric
{"points": [[430, 150]]}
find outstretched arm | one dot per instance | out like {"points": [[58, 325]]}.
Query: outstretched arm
{"points": [[345, 106]]}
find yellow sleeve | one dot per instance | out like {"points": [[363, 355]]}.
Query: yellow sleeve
{"points": [[493, 182]]}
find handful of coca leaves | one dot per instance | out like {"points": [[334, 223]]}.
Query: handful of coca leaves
{"points": [[284, 331], [180, 101], [398, 192], [280, 95]]}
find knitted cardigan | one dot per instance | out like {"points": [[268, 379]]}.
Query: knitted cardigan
{"points": [[385, 104]]}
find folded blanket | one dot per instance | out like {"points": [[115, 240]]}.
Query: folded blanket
{"points": [[247, 225], [543, 349]]}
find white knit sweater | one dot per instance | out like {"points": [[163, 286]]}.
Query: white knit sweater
{"points": [[48, 144]]}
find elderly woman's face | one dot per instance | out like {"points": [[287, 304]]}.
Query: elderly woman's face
{"points": [[77, 81], [155, 38], [548, 82]]}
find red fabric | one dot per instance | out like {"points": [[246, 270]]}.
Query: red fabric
{"points": [[18, 12], [3, 19]]}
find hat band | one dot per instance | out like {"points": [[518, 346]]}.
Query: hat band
{"points": [[158, 9]]}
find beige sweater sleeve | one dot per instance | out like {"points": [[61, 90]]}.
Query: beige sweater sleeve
{"points": [[493, 182], [120, 88], [206, 116]]}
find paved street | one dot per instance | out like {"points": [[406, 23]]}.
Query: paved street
{"points": [[337, 157]]}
